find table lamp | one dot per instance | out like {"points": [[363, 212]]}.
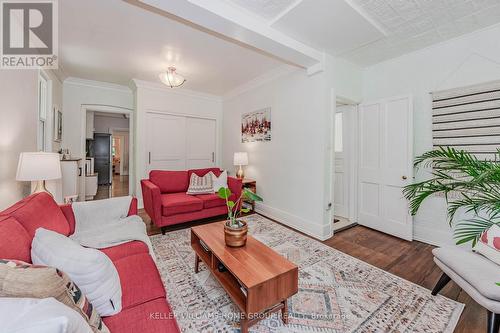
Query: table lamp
{"points": [[240, 159], [39, 167]]}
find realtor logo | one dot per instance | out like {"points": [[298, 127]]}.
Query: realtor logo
{"points": [[29, 34]]}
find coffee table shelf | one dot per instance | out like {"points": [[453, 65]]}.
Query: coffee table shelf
{"points": [[268, 278]]}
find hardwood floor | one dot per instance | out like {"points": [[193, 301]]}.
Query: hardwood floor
{"points": [[119, 188], [412, 261]]}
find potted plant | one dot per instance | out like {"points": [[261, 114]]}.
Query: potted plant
{"points": [[235, 230], [467, 183]]}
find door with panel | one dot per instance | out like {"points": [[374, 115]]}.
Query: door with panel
{"points": [[201, 143], [341, 172], [166, 142], [385, 165]]}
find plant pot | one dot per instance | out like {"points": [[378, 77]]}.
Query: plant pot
{"points": [[235, 236]]}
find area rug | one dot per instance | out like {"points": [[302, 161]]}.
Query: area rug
{"points": [[337, 293]]}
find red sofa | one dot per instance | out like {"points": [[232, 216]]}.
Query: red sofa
{"points": [[166, 201], [144, 304]]}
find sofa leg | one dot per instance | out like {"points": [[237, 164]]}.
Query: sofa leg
{"points": [[443, 281], [493, 322], [163, 230]]}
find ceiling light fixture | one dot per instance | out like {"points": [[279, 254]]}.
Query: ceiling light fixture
{"points": [[171, 78]]}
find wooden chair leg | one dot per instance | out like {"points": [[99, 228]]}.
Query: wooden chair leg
{"points": [[163, 230], [443, 281], [493, 322]]}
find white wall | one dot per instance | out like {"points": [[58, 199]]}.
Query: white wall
{"points": [[290, 169], [18, 129], [155, 97], [78, 93], [470, 59], [103, 124]]}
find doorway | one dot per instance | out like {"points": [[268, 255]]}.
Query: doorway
{"points": [[108, 154], [344, 172]]}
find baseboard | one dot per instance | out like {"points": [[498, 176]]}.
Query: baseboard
{"points": [[432, 236], [294, 221]]}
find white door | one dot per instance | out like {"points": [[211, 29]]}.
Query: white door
{"points": [[201, 143], [166, 142], [341, 174], [385, 165]]}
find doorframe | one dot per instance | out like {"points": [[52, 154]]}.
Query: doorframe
{"points": [[353, 157], [118, 129], [83, 135]]}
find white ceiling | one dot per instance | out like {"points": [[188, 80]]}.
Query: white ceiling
{"points": [[113, 41], [369, 31]]}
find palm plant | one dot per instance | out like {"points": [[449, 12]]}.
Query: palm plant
{"points": [[467, 183]]}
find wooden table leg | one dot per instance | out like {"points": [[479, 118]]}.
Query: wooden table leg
{"points": [[196, 263], [244, 324], [284, 312]]}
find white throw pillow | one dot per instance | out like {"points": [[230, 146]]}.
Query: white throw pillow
{"points": [[90, 269], [220, 181], [33, 315]]}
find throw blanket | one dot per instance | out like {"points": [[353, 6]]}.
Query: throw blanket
{"points": [[104, 223]]}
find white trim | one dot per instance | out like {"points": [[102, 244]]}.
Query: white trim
{"points": [[269, 76], [367, 17], [431, 235], [136, 83], [131, 157], [294, 221], [97, 84], [284, 12], [187, 115]]}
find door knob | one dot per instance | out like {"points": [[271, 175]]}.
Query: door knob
{"points": [[404, 178]]}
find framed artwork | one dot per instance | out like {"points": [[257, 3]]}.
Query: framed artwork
{"points": [[57, 124], [256, 126]]}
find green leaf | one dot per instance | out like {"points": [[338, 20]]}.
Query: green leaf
{"points": [[250, 195], [498, 283], [230, 204], [224, 193], [245, 210]]}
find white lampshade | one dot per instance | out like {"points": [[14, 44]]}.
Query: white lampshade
{"points": [[38, 166], [240, 158]]}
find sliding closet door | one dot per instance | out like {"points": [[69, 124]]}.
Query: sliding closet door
{"points": [[166, 142], [385, 165], [180, 142], [201, 143]]}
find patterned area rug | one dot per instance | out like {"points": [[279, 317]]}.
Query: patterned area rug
{"points": [[337, 293]]}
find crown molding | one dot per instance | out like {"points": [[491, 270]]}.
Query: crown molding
{"points": [[96, 84], [136, 84], [260, 80]]}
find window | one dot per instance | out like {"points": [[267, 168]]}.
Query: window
{"points": [[339, 145], [468, 118], [43, 99]]}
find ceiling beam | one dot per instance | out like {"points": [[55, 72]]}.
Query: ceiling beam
{"points": [[231, 23]]}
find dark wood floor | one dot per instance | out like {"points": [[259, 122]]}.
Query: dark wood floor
{"points": [[118, 188], [409, 260]]}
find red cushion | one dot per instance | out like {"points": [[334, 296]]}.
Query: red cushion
{"points": [[176, 203], [124, 250], [15, 242], [39, 210], [203, 172], [151, 317], [213, 200], [170, 181], [140, 280]]}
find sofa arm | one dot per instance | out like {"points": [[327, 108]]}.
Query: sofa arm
{"points": [[151, 197]]}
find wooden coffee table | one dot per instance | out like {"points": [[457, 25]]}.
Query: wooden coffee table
{"points": [[257, 279]]}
